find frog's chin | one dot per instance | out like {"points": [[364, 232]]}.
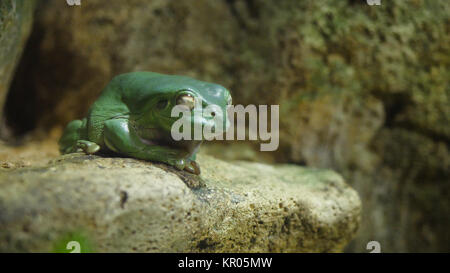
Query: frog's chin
{"points": [[189, 146], [155, 137]]}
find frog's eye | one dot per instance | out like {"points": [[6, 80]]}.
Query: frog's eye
{"points": [[186, 100]]}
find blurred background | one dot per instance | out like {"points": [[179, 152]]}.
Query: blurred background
{"points": [[362, 89]]}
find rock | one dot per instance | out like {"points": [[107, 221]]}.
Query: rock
{"points": [[128, 205], [16, 17]]}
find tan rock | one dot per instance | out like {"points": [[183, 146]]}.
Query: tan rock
{"points": [[126, 205]]}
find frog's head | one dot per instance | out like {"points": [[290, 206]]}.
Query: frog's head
{"points": [[156, 95]]}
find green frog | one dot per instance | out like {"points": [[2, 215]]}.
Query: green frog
{"points": [[132, 117]]}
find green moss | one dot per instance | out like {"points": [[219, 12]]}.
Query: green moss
{"points": [[73, 242]]}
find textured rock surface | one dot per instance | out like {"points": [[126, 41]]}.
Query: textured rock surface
{"points": [[117, 204], [16, 17], [362, 89]]}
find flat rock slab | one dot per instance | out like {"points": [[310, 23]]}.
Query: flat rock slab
{"points": [[129, 205]]}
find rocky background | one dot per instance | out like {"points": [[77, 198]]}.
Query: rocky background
{"points": [[363, 90]]}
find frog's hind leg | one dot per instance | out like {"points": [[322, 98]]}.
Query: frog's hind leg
{"points": [[73, 139]]}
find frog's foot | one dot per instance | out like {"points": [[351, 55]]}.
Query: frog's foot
{"points": [[186, 165], [87, 146], [192, 167]]}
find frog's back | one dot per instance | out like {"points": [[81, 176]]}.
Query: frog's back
{"points": [[136, 88], [124, 94]]}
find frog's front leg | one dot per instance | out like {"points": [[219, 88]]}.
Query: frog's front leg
{"points": [[87, 146], [122, 139], [74, 139]]}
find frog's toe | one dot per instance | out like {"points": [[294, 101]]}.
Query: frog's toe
{"points": [[179, 164], [92, 149], [192, 167], [88, 147]]}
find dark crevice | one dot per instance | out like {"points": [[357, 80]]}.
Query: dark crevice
{"points": [[395, 105], [357, 2], [123, 198], [206, 244], [20, 111], [252, 8], [235, 13]]}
